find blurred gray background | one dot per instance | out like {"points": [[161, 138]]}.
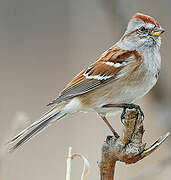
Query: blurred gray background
{"points": [[43, 45]]}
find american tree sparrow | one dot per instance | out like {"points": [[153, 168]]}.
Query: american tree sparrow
{"points": [[121, 75]]}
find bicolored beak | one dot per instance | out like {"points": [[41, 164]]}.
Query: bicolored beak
{"points": [[157, 31]]}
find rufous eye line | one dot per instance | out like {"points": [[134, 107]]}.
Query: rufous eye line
{"points": [[127, 35]]}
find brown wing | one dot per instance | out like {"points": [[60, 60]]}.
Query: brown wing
{"points": [[103, 71]]}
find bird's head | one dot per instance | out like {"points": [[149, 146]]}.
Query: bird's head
{"points": [[142, 31]]}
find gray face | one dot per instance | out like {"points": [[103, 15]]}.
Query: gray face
{"points": [[138, 35]]}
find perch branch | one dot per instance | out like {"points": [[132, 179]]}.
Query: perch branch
{"points": [[129, 148]]}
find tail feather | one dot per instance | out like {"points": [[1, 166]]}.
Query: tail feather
{"points": [[36, 127], [34, 124], [29, 136]]}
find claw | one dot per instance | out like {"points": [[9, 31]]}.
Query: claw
{"points": [[108, 139], [123, 115], [116, 135], [125, 106], [131, 106]]}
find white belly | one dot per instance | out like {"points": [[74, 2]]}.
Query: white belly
{"points": [[128, 94]]}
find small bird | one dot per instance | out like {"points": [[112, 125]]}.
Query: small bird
{"points": [[122, 74]]}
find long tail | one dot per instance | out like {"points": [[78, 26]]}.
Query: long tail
{"points": [[47, 119]]}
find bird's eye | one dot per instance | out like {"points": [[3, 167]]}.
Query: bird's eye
{"points": [[142, 29]]}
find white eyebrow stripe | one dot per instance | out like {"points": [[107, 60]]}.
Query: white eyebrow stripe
{"points": [[116, 65], [98, 77]]}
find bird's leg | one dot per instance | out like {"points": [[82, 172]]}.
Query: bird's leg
{"points": [[110, 127], [125, 106]]}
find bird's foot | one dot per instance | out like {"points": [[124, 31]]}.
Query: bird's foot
{"points": [[116, 135], [131, 106], [108, 139]]}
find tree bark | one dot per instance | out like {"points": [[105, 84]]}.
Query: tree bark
{"points": [[128, 148]]}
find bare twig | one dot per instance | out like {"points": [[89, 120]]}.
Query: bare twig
{"points": [[69, 158], [128, 148], [85, 169]]}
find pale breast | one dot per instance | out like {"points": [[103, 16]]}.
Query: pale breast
{"points": [[146, 76]]}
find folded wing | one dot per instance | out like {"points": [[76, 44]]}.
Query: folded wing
{"points": [[110, 66]]}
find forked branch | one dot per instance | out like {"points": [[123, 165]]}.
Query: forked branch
{"points": [[129, 148]]}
